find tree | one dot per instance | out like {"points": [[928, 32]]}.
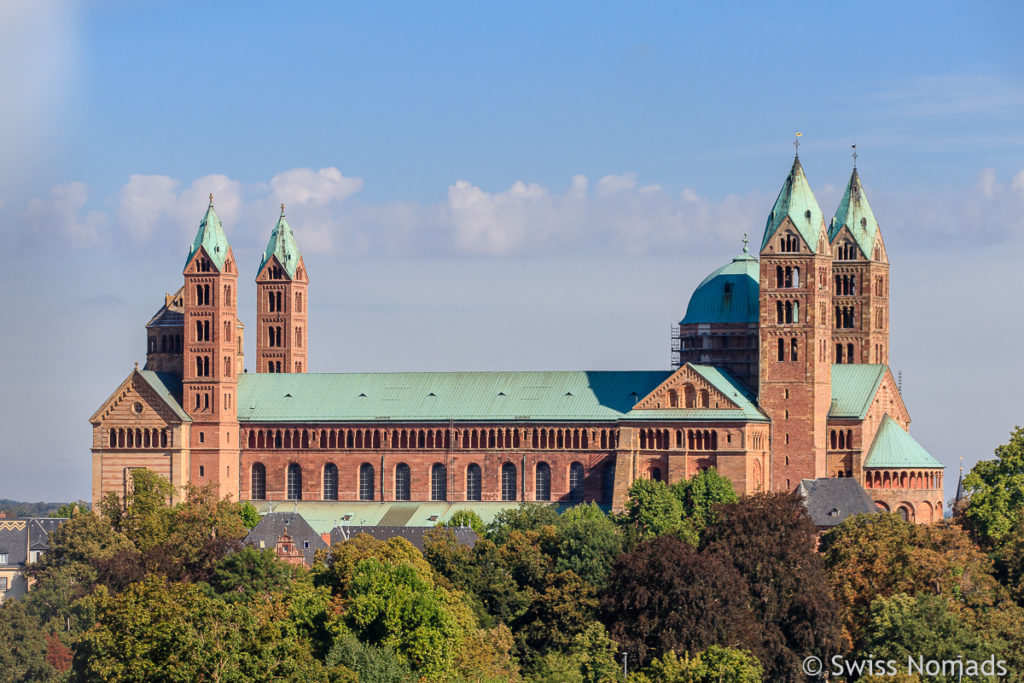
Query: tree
{"points": [[996, 491], [23, 656], [702, 493], [1008, 560], [467, 518], [587, 543], [371, 662], [769, 539], [246, 573], [712, 665], [653, 509], [159, 631], [526, 517], [664, 596], [250, 516], [880, 555]]}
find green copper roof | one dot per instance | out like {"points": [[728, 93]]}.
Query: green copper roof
{"points": [[725, 383], [212, 238], [282, 245], [855, 213], [796, 201], [728, 295], [440, 396], [853, 388], [894, 447], [168, 387]]}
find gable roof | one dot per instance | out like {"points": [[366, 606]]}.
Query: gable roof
{"points": [[441, 396], [895, 447], [797, 202], [413, 534], [282, 245], [746, 403], [855, 214], [853, 388], [168, 387], [210, 237], [830, 501], [711, 303], [272, 525], [324, 516], [20, 535]]}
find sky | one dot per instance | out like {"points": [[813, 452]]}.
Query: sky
{"points": [[496, 186]]}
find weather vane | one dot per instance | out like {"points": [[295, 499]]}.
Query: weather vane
{"points": [[282, 208], [745, 241], [796, 143], [854, 148], [211, 199]]}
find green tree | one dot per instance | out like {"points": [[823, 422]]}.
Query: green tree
{"points": [[247, 573], [157, 631], [250, 516], [713, 665], [589, 658], [375, 663], [1008, 560], [526, 517], [996, 491], [653, 509], [588, 542], [23, 654], [466, 518], [702, 493]]}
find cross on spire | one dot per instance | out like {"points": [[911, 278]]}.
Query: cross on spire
{"points": [[282, 208], [854, 148], [211, 199], [796, 144]]}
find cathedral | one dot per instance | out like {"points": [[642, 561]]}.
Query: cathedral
{"points": [[780, 375]]}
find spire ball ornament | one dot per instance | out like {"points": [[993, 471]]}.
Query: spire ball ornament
{"points": [[796, 144]]}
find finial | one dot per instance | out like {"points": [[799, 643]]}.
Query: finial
{"points": [[211, 199], [796, 144], [961, 464], [282, 208], [136, 365], [854, 148], [745, 241]]}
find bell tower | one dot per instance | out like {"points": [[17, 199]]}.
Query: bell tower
{"points": [[860, 281], [281, 304], [794, 387], [210, 355]]}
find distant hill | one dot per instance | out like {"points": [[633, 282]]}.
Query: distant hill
{"points": [[17, 508]]}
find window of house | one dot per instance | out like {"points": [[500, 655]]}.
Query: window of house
{"points": [[438, 482], [3, 584], [3, 558], [473, 482], [508, 481], [402, 481]]}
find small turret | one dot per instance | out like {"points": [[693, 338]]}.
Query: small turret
{"points": [[281, 304]]}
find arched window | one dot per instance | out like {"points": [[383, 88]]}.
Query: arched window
{"points": [[794, 346], [438, 482], [366, 478], [608, 482], [508, 481], [473, 482], [330, 481], [780, 316], [690, 396], [849, 353], [705, 398], [673, 398], [655, 473], [903, 513], [294, 481], [576, 482], [543, 481], [259, 482], [782, 349], [403, 482]]}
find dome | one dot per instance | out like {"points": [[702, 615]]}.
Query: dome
{"points": [[728, 295]]}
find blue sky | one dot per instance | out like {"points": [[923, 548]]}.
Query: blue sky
{"points": [[485, 186]]}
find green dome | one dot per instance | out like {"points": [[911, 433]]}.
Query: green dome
{"points": [[728, 295]]}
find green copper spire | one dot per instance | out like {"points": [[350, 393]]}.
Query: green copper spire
{"points": [[282, 245], [212, 238], [854, 212], [796, 201]]}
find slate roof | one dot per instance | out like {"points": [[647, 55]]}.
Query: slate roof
{"points": [[282, 245], [728, 295], [796, 201], [895, 447], [599, 396], [413, 534], [21, 534], [830, 501], [855, 213], [211, 237], [273, 525]]}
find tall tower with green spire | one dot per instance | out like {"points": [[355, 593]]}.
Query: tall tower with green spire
{"points": [[794, 387], [860, 280], [210, 378], [281, 304]]}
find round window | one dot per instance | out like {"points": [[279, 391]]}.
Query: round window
{"points": [[137, 407]]}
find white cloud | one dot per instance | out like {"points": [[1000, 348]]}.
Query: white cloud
{"points": [[60, 217], [306, 186]]}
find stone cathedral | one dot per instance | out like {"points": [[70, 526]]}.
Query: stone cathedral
{"points": [[780, 374]]}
